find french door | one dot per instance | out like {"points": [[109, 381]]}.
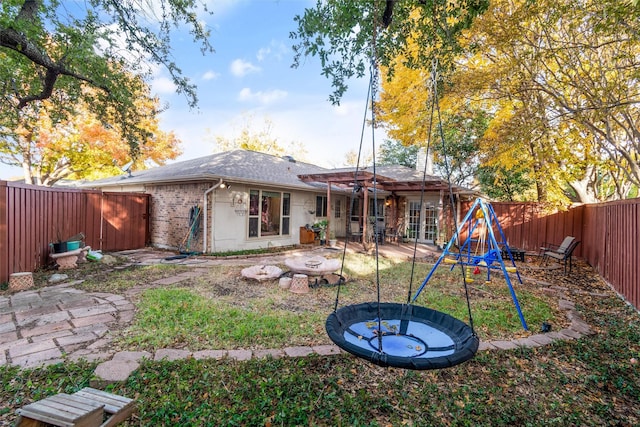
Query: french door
{"points": [[422, 223]]}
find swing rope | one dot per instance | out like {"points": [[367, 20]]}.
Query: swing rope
{"points": [[434, 110], [369, 104], [422, 184], [374, 86], [414, 337], [454, 212], [354, 190]]}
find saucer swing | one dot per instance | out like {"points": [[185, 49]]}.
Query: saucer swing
{"points": [[400, 335]]}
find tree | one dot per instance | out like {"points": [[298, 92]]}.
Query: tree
{"points": [[361, 158], [346, 34], [261, 140], [51, 50], [82, 147], [500, 183], [562, 80], [395, 153], [455, 144], [450, 129]]}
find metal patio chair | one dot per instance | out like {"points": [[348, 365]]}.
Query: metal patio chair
{"points": [[563, 257]]}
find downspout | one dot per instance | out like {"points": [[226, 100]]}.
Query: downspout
{"points": [[329, 213], [101, 217], [206, 213]]}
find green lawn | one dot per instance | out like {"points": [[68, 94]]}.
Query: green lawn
{"points": [[592, 381]]}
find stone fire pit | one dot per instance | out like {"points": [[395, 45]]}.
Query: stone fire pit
{"points": [[261, 272], [313, 266]]}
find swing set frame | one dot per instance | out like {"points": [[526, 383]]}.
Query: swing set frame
{"points": [[484, 251]]}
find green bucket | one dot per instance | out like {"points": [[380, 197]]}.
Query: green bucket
{"points": [[72, 246]]}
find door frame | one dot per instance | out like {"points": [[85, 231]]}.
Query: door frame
{"points": [[429, 204]]}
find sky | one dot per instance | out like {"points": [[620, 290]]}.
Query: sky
{"points": [[248, 81]]}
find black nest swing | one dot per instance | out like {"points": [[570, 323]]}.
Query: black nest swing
{"points": [[401, 335]]}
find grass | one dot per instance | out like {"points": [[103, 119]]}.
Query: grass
{"points": [[180, 317], [222, 311], [116, 281], [592, 381], [588, 382], [243, 252], [20, 387]]}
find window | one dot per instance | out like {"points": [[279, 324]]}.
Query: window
{"points": [[321, 205], [413, 229], [337, 208], [431, 223], [423, 221], [355, 211], [380, 205], [269, 213], [286, 213]]}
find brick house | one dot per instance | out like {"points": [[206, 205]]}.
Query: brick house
{"points": [[239, 200]]}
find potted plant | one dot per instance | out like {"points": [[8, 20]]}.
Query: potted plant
{"points": [[332, 238], [321, 227], [409, 234], [59, 245], [70, 244]]}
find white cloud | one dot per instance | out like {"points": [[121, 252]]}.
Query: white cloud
{"points": [[264, 98], [344, 109], [325, 135], [163, 85], [241, 68], [263, 53], [275, 49], [210, 75]]}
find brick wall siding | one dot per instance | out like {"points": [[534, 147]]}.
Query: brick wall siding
{"points": [[170, 208]]}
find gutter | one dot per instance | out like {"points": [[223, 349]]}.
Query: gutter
{"points": [[189, 179], [206, 214]]}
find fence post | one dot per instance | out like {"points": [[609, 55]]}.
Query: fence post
{"points": [[4, 234]]}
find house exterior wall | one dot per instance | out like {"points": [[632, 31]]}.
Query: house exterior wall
{"points": [[227, 216], [230, 219], [170, 213]]}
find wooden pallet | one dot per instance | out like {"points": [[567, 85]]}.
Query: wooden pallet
{"points": [[118, 408], [85, 408]]}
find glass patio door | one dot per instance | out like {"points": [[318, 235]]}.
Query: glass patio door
{"points": [[422, 223], [430, 223]]}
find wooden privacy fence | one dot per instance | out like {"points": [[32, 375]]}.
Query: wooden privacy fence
{"points": [[32, 217], [608, 235]]}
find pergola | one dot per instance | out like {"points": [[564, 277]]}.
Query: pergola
{"points": [[388, 183]]}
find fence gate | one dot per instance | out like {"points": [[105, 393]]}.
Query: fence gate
{"points": [[125, 221], [33, 217]]}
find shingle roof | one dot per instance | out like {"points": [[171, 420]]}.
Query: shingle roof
{"points": [[237, 166], [252, 167], [403, 173], [394, 172], [390, 178]]}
